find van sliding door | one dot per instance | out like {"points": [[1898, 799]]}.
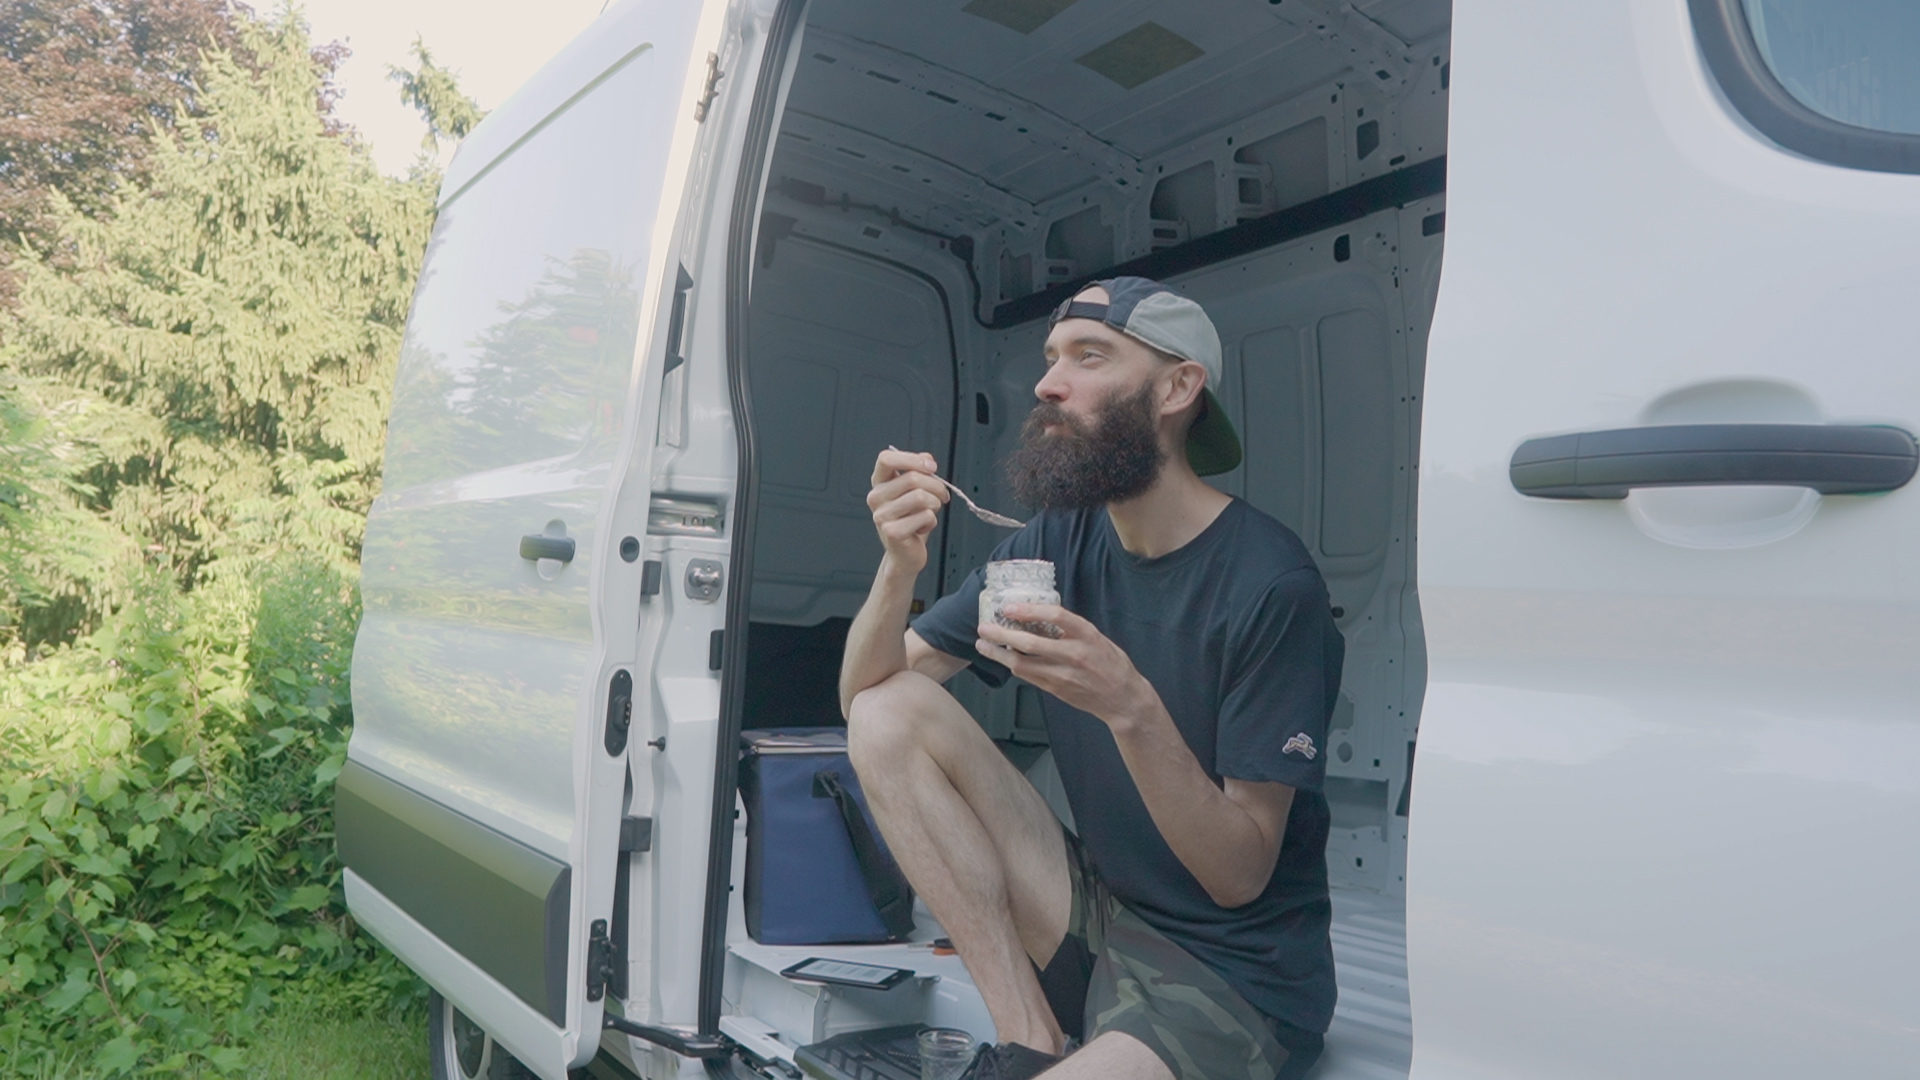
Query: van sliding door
{"points": [[1668, 756], [479, 813]]}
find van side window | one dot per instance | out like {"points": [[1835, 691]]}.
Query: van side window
{"points": [[1833, 79], [1857, 61]]}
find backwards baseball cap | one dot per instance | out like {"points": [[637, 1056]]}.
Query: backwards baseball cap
{"points": [[1149, 312]]}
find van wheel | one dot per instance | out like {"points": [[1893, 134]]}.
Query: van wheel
{"points": [[459, 1049]]}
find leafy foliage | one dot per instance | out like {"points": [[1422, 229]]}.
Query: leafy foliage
{"points": [[166, 841], [60, 566], [435, 91], [192, 393], [249, 303], [84, 84]]}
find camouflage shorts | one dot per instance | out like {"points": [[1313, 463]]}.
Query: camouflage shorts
{"points": [[1119, 974]]}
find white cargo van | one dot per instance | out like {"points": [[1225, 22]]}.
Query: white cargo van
{"points": [[1613, 519]]}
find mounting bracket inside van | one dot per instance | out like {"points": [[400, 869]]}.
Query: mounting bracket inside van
{"points": [[1832, 459], [677, 321], [685, 515]]}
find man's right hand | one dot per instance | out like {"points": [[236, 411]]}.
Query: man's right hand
{"points": [[906, 499]]}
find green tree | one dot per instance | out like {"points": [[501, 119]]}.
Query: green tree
{"points": [[61, 567], [435, 91], [84, 84], [250, 298], [192, 399]]}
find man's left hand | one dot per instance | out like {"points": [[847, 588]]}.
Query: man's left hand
{"points": [[1081, 667]]}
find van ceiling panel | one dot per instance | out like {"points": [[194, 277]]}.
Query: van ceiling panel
{"points": [[1028, 111]]}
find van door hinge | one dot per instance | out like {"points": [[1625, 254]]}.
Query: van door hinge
{"points": [[714, 75], [599, 960]]}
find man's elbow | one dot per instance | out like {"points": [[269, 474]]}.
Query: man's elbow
{"points": [[1238, 894], [1244, 882]]}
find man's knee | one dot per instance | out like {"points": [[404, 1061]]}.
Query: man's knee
{"points": [[890, 719]]}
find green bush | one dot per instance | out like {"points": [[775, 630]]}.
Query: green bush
{"points": [[166, 835]]}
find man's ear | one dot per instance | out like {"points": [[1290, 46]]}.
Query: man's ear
{"points": [[1184, 383]]}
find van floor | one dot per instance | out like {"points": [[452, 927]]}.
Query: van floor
{"points": [[1372, 1033], [1371, 1037]]}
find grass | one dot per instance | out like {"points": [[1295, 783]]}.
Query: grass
{"points": [[296, 1045]]}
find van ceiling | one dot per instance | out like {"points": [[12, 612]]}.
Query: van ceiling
{"points": [[1027, 97]]}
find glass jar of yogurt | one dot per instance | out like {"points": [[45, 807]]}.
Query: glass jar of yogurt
{"points": [[1018, 581]]}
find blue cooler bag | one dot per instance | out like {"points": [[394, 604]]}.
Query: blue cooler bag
{"points": [[818, 872]]}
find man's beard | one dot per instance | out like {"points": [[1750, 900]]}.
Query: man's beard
{"points": [[1082, 465]]}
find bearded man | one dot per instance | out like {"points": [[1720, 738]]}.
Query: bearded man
{"points": [[1182, 930]]}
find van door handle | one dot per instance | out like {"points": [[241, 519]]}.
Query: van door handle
{"points": [[547, 547], [1832, 459]]}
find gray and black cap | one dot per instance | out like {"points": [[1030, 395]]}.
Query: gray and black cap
{"points": [[1149, 312]]}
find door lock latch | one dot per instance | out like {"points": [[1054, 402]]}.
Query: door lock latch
{"points": [[704, 577]]}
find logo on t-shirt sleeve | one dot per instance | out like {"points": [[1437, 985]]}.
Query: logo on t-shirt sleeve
{"points": [[1301, 744]]}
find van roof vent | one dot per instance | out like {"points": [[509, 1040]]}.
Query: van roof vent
{"points": [[1025, 16], [1144, 52]]}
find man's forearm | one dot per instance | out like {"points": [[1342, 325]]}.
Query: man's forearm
{"points": [[876, 643], [1215, 838]]}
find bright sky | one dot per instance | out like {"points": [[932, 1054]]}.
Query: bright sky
{"points": [[493, 45]]}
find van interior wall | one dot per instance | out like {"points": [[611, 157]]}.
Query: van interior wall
{"points": [[938, 171]]}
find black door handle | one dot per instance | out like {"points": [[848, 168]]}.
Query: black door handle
{"points": [[547, 547], [1832, 459]]}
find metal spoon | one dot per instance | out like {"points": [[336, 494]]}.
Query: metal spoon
{"points": [[987, 516]]}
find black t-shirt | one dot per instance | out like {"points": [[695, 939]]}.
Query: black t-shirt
{"points": [[1235, 633]]}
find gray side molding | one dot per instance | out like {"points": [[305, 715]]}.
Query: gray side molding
{"points": [[492, 899], [1832, 459]]}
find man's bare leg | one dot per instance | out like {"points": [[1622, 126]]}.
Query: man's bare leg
{"points": [[1115, 1055], [976, 840]]}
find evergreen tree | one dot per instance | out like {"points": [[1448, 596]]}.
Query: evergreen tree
{"points": [[84, 84], [247, 300], [435, 91], [61, 567]]}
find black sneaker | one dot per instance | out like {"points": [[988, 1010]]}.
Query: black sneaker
{"points": [[1010, 1061]]}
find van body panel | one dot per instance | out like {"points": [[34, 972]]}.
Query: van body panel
{"points": [[613, 38], [524, 407], [694, 459], [498, 902], [1666, 743], [468, 986], [1666, 763]]}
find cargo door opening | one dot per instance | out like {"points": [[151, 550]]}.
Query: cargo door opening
{"points": [[948, 177]]}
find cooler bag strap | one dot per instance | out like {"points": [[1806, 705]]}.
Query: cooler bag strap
{"points": [[885, 883]]}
